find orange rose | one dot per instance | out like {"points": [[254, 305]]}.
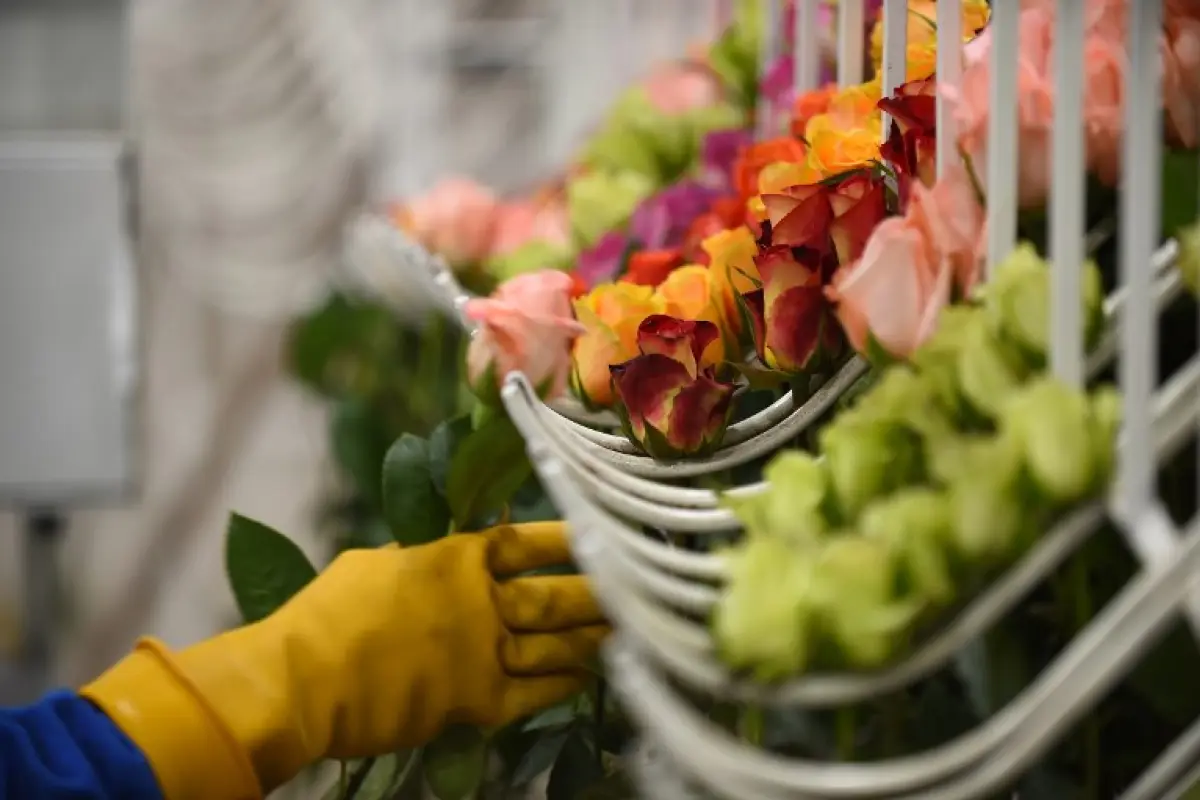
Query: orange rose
{"points": [[809, 105], [756, 157], [610, 314], [651, 267], [731, 260], [834, 151], [688, 294]]}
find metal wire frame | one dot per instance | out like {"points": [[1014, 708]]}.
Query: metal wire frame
{"points": [[591, 474]]}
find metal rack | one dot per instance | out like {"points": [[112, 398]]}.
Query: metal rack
{"points": [[653, 591]]}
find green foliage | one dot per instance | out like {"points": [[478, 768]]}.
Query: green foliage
{"points": [[412, 505], [489, 467], [455, 763], [265, 568]]}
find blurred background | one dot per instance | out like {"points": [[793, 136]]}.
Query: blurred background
{"points": [[137, 411]]}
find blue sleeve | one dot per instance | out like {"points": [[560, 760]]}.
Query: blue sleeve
{"points": [[64, 748]]}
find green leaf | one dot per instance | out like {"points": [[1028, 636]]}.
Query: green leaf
{"points": [[1180, 200], [490, 466], [576, 769], [540, 756], [760, 378], [360, 441], [454, 763], [336, 350], [265, 568], [443, 444], [386, 776], [414, 509], [553, 717]]}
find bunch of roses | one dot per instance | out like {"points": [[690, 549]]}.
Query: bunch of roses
{"points": [[913, 264]]}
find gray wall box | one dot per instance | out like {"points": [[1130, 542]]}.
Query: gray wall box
{"points": [[68, 339]]}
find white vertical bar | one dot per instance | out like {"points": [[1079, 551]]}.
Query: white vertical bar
{"points": [[1067, 196], [949, 74], [895, 51], [806, 51], [1139, 223], [850, 42], [1002, 134], [769, 49]]}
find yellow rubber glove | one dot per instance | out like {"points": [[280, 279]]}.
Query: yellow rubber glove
{"points": [[380, 652]]}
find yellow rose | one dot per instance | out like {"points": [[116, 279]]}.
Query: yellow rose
{"points": [[610, 314], [688, 293], [835, 151], [731, 261], [922, 34]]}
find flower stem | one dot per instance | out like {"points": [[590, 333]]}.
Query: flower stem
{"points": [[750, 724], [1082, 607], [847, 733]]}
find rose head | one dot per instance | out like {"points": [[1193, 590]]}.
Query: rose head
{"points": [[756, 157], [800, 216], [857, 204], [662, 220], [610, 314], [651, 267], [731, 260], [671, 404], [791, 321], [601, 262], [688, 294], [911, 146], [456, 219], [719, 153], [809, 105], [525, 326]]}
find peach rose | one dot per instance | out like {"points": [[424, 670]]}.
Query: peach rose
{"points": [[1104, 105], [683, 87], [525, 326], [521, 222], [456, 220], [1181, 79], [894, 293], [951, 218], [688, 294], [611, 314], [1035, 109], [731, 259]]}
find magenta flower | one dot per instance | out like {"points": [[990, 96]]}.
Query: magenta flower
{"points": [[601, 262], [719, 152], [661, 221]]}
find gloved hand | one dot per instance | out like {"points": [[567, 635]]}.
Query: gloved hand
{"points": [[382, 650]]}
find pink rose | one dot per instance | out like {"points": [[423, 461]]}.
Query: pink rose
{"points": [[895, 292], [1035, 108], [1181, 77], [521, 222], [456, 220], [950, 217], [526, 325], [1104, 105], [682, 87]]}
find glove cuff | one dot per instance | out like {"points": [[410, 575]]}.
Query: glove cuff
{"points": [[191, 751]]}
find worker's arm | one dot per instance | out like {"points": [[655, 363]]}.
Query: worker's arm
{"points": [[65, 747]]}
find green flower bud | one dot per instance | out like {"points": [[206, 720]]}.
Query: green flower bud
{"points": [[791, 507], [982, 475], [987, 371], [937, 359], [1188, 261], [907, 398], [1017, 302], [763, 621], [917, 524], [600, 201], [856, 591], [1052, 425], [866, 458], [529, 257]]}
